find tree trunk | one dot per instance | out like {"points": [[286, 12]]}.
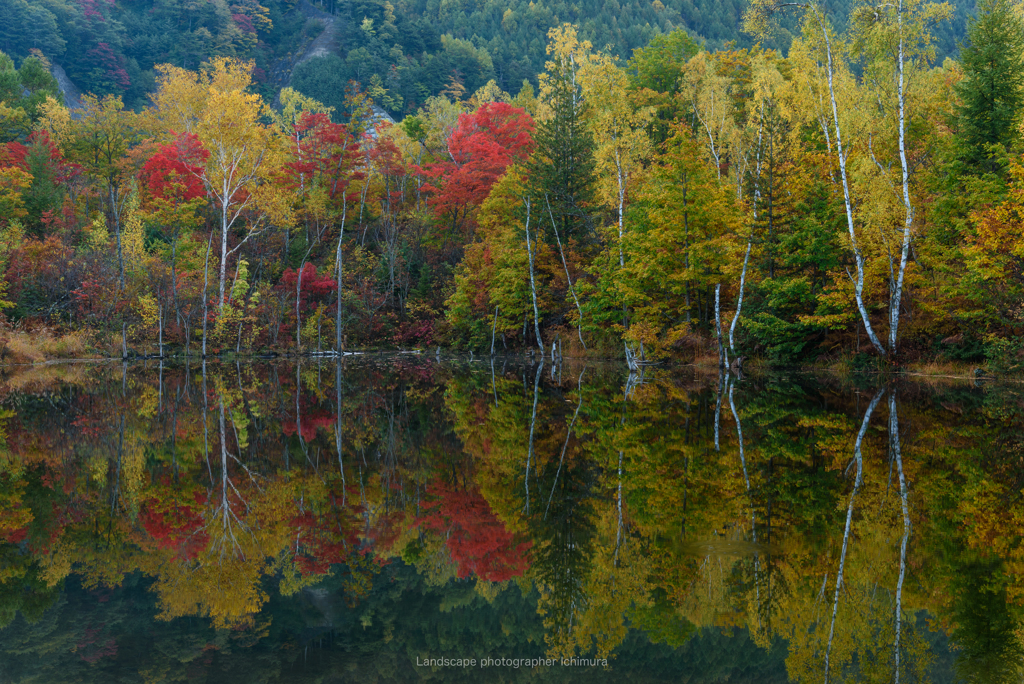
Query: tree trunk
{"points": [[858, 256], [858, 480], [533, 282], [568, 278], [340, 272], [897, 288], [494, 328], [739, 300]]}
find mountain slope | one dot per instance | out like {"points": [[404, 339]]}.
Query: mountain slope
{"points": [[404, 51]]}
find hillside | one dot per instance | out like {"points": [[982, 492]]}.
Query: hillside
{"points": [[404, 51]]}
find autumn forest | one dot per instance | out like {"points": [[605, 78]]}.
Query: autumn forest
{"points": [[850, 202], [672, 342]]}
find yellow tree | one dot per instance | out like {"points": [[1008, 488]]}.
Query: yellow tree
{"points": [[234, 153], [620, 130]]}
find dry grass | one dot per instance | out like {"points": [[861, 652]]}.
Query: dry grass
{"points": [[38, 346], [941, 368]]}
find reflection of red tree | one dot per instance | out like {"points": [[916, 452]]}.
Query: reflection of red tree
{"points": [[309, 423], [477, 540], [324, 539], [94, 646], [175, 525]]}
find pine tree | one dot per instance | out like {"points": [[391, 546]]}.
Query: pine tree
{"points": [[992, 91], [562, 172]]}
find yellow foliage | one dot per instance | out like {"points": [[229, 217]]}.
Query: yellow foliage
{"points": [[55, 120], [13, 182], [133, 245]]}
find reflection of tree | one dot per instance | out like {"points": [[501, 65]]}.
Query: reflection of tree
{"points": [[642, 514], [857, 482], [897, 455], [478, 542], [563, 546]]}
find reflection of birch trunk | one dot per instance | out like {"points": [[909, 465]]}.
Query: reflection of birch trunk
{"points": [[206, 427], [723, 360], [338, 428], [227, 516], [618, 497], [206, 300], [533, 423], [579, 404], [894, 445], [533, 282], [494, 385], [750, 498], [723, 381], [849, 522]]}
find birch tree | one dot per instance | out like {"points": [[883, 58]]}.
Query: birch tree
{"points": [[826, 49], [895, 42]]}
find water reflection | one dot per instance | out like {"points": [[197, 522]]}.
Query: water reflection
{"points": [[167, 523]]}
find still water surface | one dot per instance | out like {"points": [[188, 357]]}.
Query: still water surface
{"points": [[359, 522]]}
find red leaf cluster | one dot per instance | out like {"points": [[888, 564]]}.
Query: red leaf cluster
{"points": [[174, 172], [478, 542], [480, 149]]}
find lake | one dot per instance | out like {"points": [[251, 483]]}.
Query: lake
{"points": [[399, 518]]}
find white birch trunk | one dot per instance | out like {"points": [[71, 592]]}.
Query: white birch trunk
{"points": [[340, 272], [849, 523], [897, 288], [858, 256], [739, 300]]}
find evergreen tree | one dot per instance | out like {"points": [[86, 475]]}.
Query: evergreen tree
{"points": [[562, 172], [992, 90]]}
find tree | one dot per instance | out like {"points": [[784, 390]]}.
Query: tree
{"points": [[235, 154], [896, 43], [563, 168], [992, 90], [479, 150], [101, 139]]}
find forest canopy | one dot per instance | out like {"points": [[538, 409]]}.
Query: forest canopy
{"points": [[851, 197]]}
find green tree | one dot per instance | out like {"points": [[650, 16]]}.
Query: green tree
{"points": [[992, 91], [564, 170]]}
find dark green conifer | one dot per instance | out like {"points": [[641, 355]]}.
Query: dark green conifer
{"points": [[992, 91], [563, 168]]}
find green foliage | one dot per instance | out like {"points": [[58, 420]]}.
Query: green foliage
{"points": [[22, 91], [992, 90]]}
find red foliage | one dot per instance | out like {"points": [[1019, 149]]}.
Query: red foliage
{"points": [[314, 287], [112, 64], [483, 145], [243, 23], [309, 423], [325, 538], [13, 154], [173, 173], [477, 540], [174, 525], [325, 152], [17, 154]]}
